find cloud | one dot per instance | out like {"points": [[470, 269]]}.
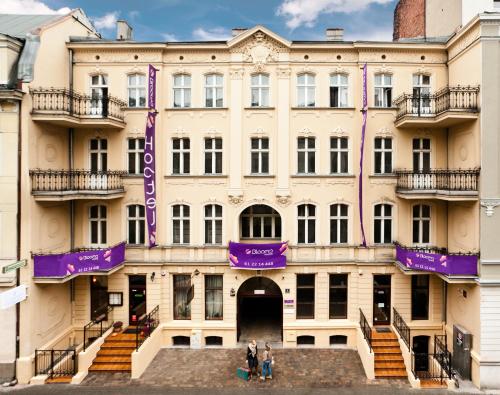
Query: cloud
{"points": [[169, 37], [133, 14], [306, 12], [214, 34], [107, 21], [29, 7]]}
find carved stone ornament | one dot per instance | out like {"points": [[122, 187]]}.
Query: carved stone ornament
{"points": [[284, 72], [235, 199], [283, 200], [237, 73], [260, 49], [384, 132], [490, 205], [338, 131]]}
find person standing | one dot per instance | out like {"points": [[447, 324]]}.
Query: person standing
{"points": [[267, 363], [252, 359]]}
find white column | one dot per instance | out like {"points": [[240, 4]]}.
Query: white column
{"points": [[235, 145], [283, 134]]}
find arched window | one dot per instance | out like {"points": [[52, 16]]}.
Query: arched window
{"points": [[180, 224], [338, 223], [136, 224], [339, 90], [421, 224], [213, 90], [182, 90], [260, 90], [136, 90], [306, 217], [382, 224], [260, 222], [306, 90], [97, 223], [213, 224]]}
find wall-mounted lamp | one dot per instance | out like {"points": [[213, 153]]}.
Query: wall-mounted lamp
{"points": [[195, 273], [153, 276], [232, 292]]}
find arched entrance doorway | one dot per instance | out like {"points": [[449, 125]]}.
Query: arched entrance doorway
{"points": [[260, 310]]}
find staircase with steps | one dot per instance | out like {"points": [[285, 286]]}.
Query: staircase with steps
{"points": [[115, 354], [389, 363]]}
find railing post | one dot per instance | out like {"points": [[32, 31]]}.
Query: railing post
{"points": [[51, 369]]}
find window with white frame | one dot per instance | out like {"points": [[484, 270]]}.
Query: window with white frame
{"points": [[97, 221], [306, 90], [260, 90], [136, 90], [260, 222], [182, 90], [339, 90], [421, 155], [136, 224], [180, 224], [99, 95], [306, 155], [421, 102], [339, 155], [136, 156], [382, 224], [383, 90], [383, 155], [213, 90], [259, 155], [338, 223], [421, 224], [306, 218], [213, 224], [180, 156], [213, 156]]}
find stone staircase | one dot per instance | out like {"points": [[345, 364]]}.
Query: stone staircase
{"points": [[115, 354], [389, 363]]}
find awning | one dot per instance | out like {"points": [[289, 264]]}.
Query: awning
{"points": [[257, 256]]}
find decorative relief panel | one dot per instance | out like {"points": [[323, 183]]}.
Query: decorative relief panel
{"points": [[260, 49]]}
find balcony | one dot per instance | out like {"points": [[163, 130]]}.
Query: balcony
{"points": [[447, 107], [445, 184], [64, 107], [61, 185]]}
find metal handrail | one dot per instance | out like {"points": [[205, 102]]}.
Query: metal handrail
{"points": [[401, 326], [438, 179], [434, 250], [56, 363], [95, 329], [436, 367], [365, 328], [146, 326], [444, 356]]}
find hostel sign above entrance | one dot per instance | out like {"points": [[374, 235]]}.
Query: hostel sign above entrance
{"points": [[257, 256]]}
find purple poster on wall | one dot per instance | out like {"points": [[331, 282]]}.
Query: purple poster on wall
{"points": [[361, 157], [150, 178], [257, 256], [445, 264], [73, 263]]}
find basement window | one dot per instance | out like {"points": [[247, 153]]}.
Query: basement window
{"points": [[338, 340], [211, 341], [305, 340], [181, 341]]}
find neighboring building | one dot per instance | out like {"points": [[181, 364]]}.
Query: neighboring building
{"points": [[258, 140]]}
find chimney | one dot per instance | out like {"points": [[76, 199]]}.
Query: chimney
{"points": [[238, 30], [334, 34], [123, 31]]}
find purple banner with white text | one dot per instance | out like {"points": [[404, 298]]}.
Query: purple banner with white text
{"points": [[444, 264], [73, 263], [150, 178], [361, 157], [257, 256], [152, 87]]}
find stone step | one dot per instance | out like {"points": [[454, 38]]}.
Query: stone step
{"points": [[389, 358], [390, 373], [386, 350], [114, 352], [111, 367], [119, 344], [59, 380], [390, 365], [113, 359]]}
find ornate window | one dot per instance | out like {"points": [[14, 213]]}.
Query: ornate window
{"points": [[421, 224], [136, 224], [180, 156], [259, 152], [260, 90], [383, 155], [339, 88], [182, 90], [180, 224], [306, 155], [339, 155], [136, 90], [213, 224], [213, 90], [213, 156], [306, 217], [136, 156], [338, 223], [97, 222], [260, 222], [382, 224], [306, 90], [383, 90]]}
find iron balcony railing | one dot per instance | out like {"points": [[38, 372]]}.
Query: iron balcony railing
{"points": [[62, 101], [401, 326], [442, 353], [434, 250], [465, 180], [96, 328], [76, 180], [457, 99], [146, 325], [365, 328], [56, 363]]}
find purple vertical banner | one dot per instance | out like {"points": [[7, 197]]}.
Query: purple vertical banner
{"points": [[364, 111], [152, 87]]}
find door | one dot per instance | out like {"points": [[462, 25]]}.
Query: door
{"points": [[98, 152], [422, 177], [99, 95], [98, 297], [421, 95], [381, 300], [137, 298], [421, 353]]}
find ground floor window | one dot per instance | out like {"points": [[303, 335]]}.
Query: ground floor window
{"points": [[420, 297], [338, 295], [213, 341], [305, 340], [182, 304], [181, 341], [213, 297], [305, 295], [338, 340]]}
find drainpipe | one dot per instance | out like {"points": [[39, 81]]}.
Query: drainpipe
{"points": [[18, 235]]}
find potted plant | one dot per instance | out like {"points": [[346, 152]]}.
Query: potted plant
{"points": [[117, 327]]}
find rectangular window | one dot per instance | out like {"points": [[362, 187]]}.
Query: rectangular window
{"points": [[97, 219], [383, 155], [260, 90], [213, 297], [136, 224], [421, 155], [213, 156], [213, 224], [135, 156], [420, 297], [305, 296], [338, 223], [182, 304], [339, 155], [182, 91], [338, 296], [180, 156], [306, 155], [136, 90], [339, 88], [259, 153], [213, 90], [383, 90], [382, 224], [180, 224], [306, 90], [306, 218]]}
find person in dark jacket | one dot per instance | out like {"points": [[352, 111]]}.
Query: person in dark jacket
{"points": [[252, 359]]}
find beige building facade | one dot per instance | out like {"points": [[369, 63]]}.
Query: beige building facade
{"points": [[258, 140]]}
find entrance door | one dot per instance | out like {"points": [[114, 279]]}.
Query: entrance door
{"points": [[381, 299], [137, 298], [98, 297], [421, 352]]}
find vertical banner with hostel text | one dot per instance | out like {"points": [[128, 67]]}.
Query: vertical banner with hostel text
{"points": [[364, 111], [149, 159]]}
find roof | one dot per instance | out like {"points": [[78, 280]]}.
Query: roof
{"points": [[19, 25]]}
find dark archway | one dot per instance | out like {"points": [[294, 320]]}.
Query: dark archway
{"points": [[260, 310]]}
